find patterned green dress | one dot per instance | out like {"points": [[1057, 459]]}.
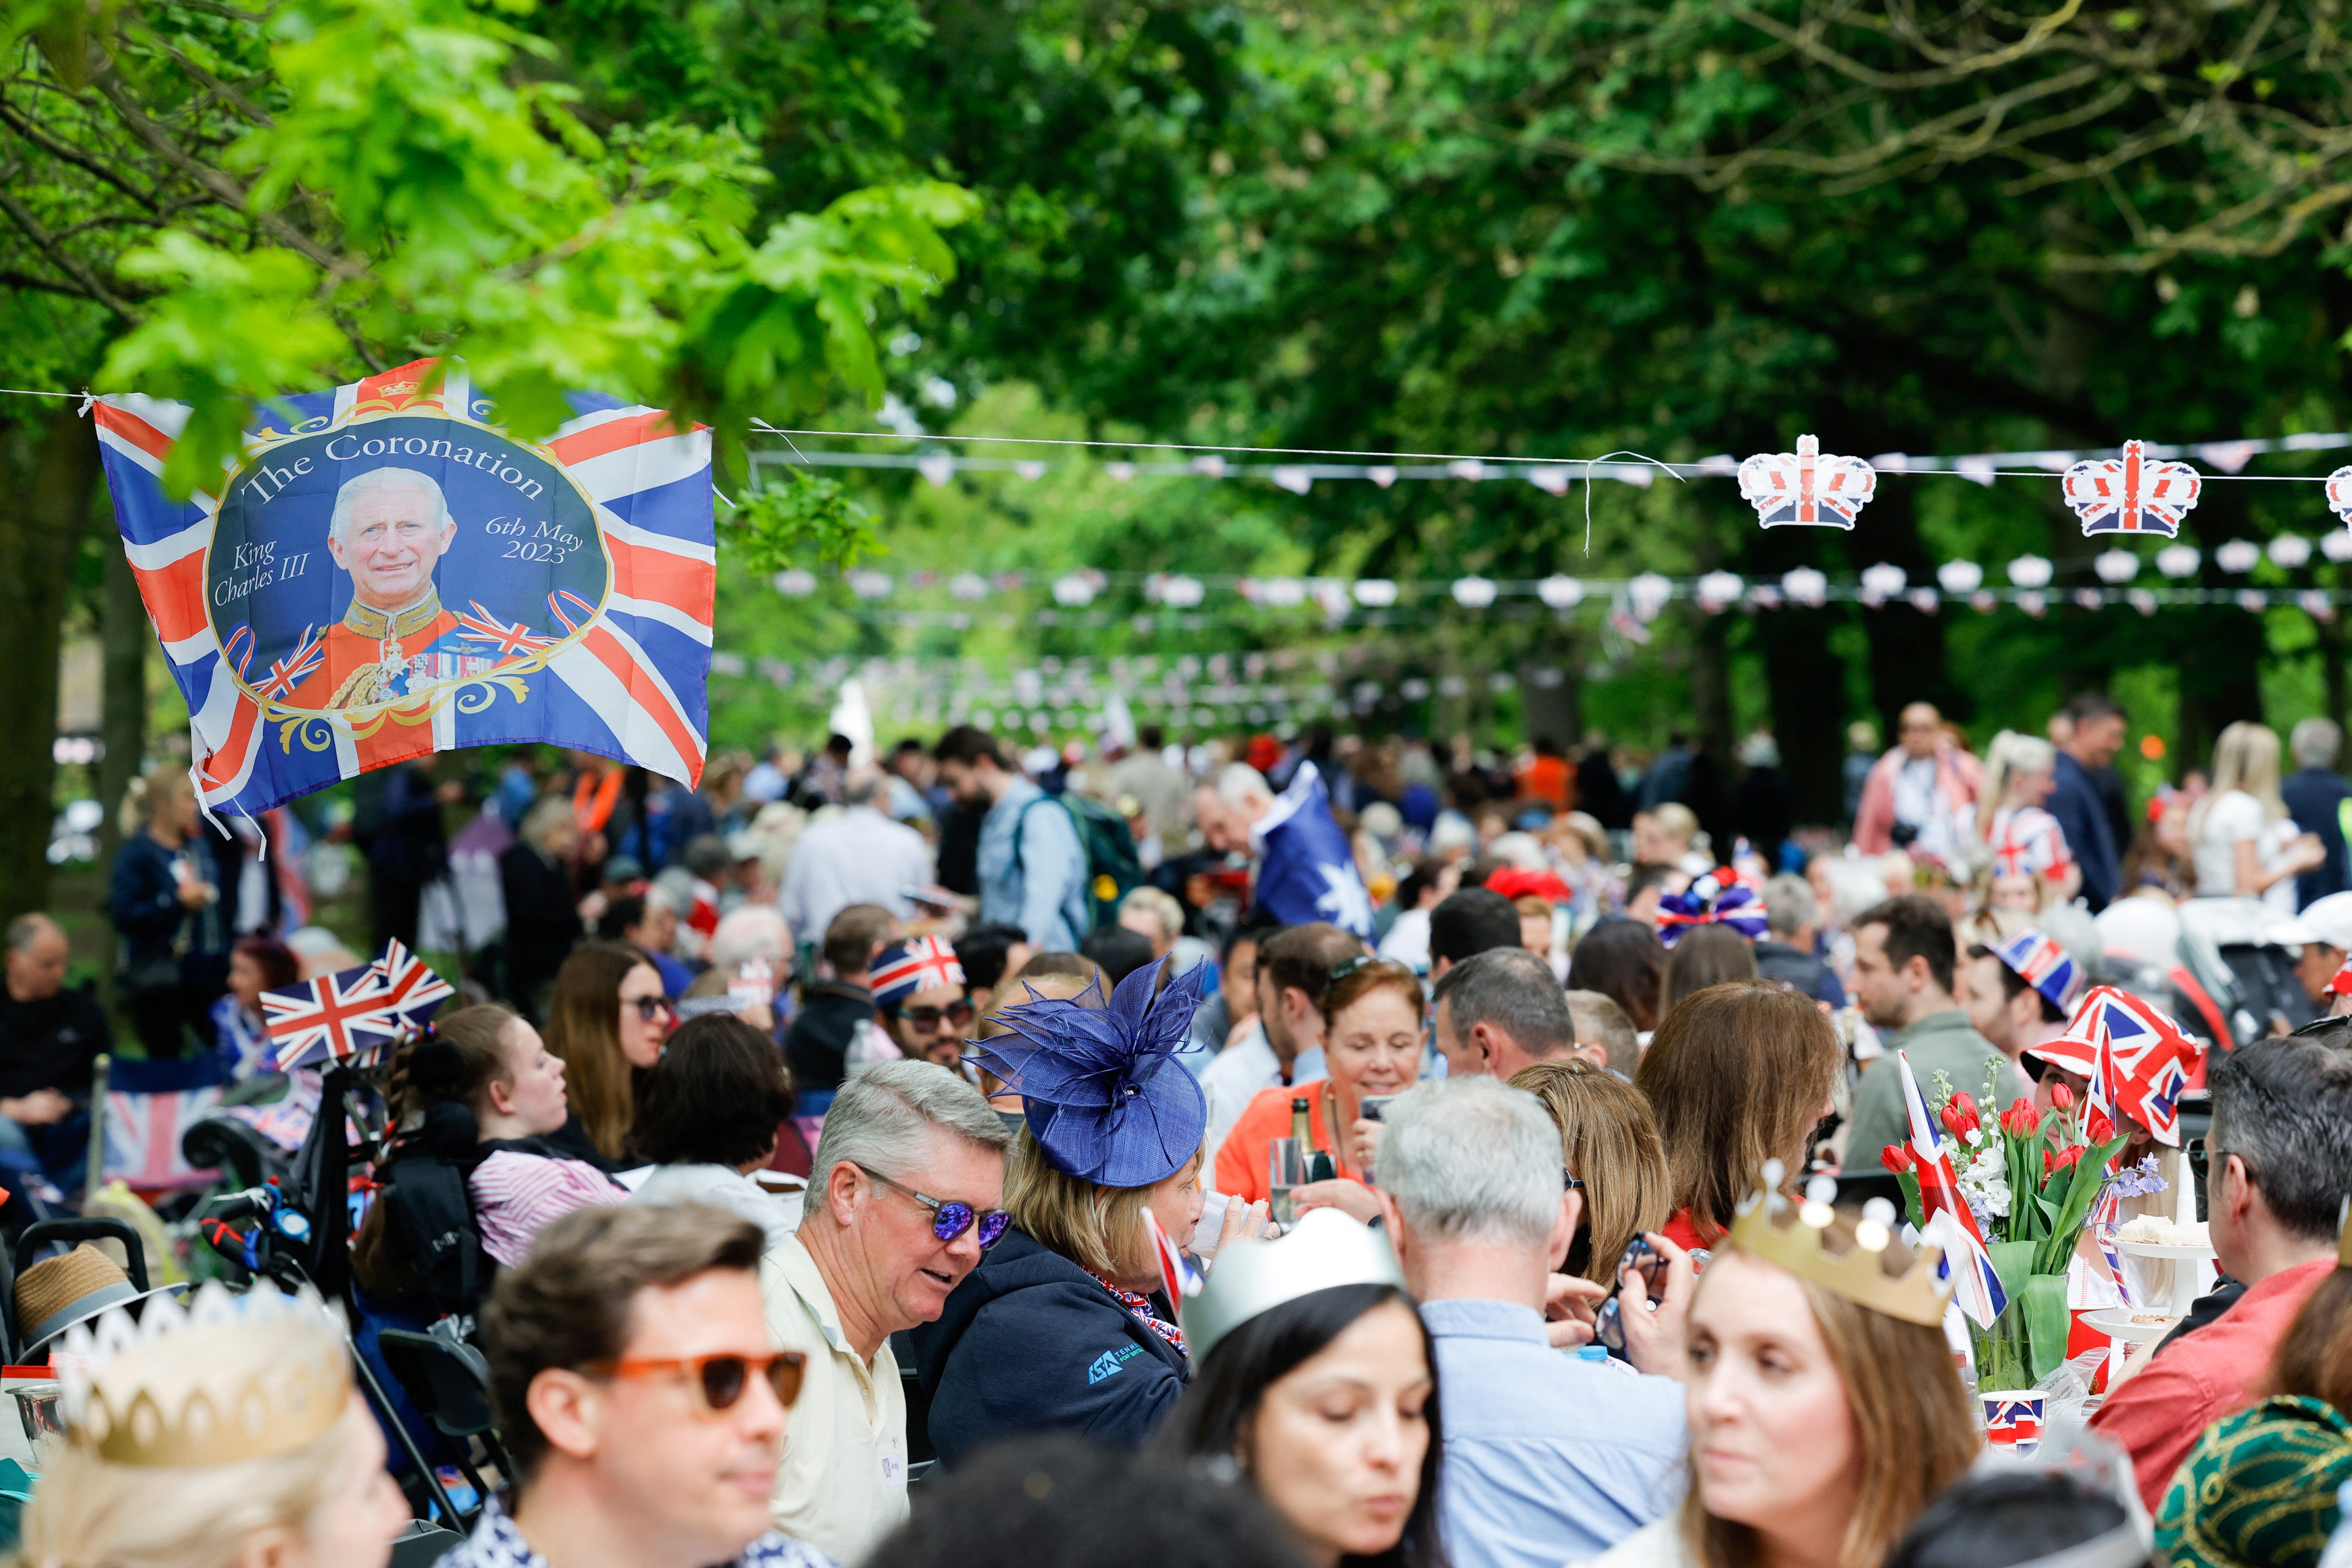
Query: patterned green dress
{"points": [[2259, 1489]]}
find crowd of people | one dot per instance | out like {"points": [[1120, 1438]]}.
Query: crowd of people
{"points": [[961, 1118]]}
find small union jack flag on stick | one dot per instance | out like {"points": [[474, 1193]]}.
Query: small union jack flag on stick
{"points": [[1803, 488], [2131, 494], [507, 641], [350, 1015]]}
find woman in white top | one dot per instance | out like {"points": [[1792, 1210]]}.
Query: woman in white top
{"points": [[2023, 841], [2245, 845]]}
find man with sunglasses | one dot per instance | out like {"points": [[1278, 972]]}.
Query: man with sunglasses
{"points": [[2276, 1168], [904, 1195], [918, 990], [634, 1383]]}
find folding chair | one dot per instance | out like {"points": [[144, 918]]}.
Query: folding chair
{"points": [[449, 1382]]}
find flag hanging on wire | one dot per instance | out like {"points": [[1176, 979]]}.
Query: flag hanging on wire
{"points": [[383, 573], [1976, 1285]]}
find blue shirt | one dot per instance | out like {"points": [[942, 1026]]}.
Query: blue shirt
{"points": [[1549, 1459], [1033, 871]]}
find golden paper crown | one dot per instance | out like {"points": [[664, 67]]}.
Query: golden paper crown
{"points": [[1918, 1297], [228, 1378]]}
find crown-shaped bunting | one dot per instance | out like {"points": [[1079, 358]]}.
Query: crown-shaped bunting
{"points": [[1795, 1244], [176, 1387]]}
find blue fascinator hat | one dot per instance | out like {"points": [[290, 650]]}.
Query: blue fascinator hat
{"points": [[1103, 1095]]}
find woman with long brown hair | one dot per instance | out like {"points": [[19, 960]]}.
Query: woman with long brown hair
{"points": [[1625, 962], [1609, 1142], [1738, 1074], [607, 1018], [1824, 1408]]}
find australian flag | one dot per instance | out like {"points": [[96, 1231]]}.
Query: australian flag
{"points": [[1307, 871]]}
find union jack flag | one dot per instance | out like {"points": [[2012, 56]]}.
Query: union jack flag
{"points": [[2140, 1063], [2044, 965], [918, 963], [507, 641], [350, 1015], [2013, 1422], [143, 1137], [563, 603], [1179, 1275], [2131, 494], [330, 1020], [1803, 487], [2027, 840], [410, 990], [289, 672], [1976, 1287], [628, 684]]}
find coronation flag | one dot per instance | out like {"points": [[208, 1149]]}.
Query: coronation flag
{"points": [[386, 574], [1975, 1286]]}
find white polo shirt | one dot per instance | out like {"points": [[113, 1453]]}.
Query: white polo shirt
{"points": [[843, 1485]]}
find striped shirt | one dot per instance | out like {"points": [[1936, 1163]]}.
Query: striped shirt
{"points": [[515, 1193]]}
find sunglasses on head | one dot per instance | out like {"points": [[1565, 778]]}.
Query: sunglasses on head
{"points": [[648, 1007], [950, 1220], [925, 1019], [717, 1382]]}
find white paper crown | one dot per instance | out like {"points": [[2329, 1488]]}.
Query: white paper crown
{"points": [[1323, 1249], [162, 1390]]}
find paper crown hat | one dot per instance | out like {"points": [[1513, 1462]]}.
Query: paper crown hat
{"points": [[230, 1377], [1103, 1095], [1859, 1275], [1323, 1249], [1723, 897]]}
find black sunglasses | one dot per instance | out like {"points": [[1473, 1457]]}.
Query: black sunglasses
{"points": [[950, 1220], [925, 1020]]}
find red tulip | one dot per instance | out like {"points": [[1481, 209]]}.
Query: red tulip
{"points": [[1960, 1117], [2065, 1159], [2020, 1120], [2061, 1096], [1899, 1159]]}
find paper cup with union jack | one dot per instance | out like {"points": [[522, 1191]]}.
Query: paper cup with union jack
{"points": [[2013, 1418]]}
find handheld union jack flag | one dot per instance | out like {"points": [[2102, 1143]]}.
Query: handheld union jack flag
{"points": [[2014, 1422], [2131, 494], [515, 641], [1181, 1279], [410, 990], [1976, 1287], [350, 1015], [2140, 1062], [330, 1020], [1803, 488]]}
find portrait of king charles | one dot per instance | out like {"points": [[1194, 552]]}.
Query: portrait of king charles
{"points": [[390, 528]]}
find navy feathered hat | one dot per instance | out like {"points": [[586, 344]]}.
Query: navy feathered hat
{"points": [[1104, 1096]]}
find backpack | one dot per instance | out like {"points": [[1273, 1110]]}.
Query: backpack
{"points": [[1112, 867]]}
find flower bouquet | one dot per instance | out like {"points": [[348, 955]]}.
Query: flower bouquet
{"points": [[2031, 1180]]}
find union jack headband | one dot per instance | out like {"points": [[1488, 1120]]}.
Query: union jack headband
{"points": [[2041, 963], [918, 963]]}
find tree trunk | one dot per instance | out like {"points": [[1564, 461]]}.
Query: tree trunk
{"points": [[124, 634], [1807, 681], [2222, 683], [50, 468], [1907, 648]]}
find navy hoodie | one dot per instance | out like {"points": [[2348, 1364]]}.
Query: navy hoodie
{"points": [[1030, 1343]]}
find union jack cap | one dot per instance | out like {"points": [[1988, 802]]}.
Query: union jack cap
{"points": [[918, 963], [2041, 963]]}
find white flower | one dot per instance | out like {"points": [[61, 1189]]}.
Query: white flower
{"points": [[1985, 1184]]}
